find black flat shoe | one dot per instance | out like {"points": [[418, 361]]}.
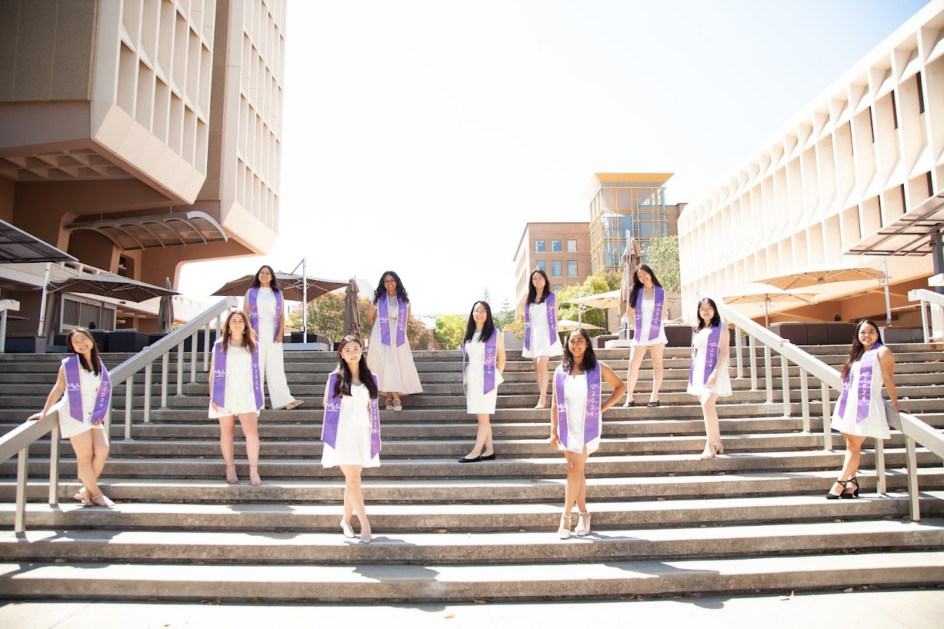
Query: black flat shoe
{"points": [[488, 457], [474, 459], [652, 404]]}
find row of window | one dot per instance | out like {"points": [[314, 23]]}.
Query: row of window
{"points": [[539, 246], [557, 267]]}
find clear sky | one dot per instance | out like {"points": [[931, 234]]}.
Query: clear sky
{"points": [[422, 136]]}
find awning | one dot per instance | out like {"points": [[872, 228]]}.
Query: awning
{"points": [[908, 235], [19, 247], [149, 232]]}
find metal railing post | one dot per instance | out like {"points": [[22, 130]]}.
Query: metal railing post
{"points": [[786, 385], [805, 400], [912, 461], [165, 365], [180, 369], [148, 373], [3, 330], [740, 359], [768, 376], [880, 484], [206, 348], [54, 465], [827, 431], [193, 358], [752, 356], [22, 465], [924, 322], [129, 389]]}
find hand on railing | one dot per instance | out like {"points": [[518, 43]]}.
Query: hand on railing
{"points": [[35, 417]]}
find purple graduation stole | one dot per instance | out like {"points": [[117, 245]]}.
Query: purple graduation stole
{"points": [[551, 321], [218, 395], [254, 311], [74, 391], [592, 426], [864, 389], [711, 355], [491, 355], [332, 413], [656, 314], [384, 316]]}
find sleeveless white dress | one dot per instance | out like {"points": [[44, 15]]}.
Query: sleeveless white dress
{"points": [[271, 359], [875, 424], [69, 426], [393, 366], [239, 395], [477, 401], [540, 335], [639, 338], [353, 440], [575, 397], [722, 382]]}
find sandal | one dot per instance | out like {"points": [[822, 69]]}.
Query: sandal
{"points": [[102, 500], [231, 477], [847, 491], [563, 530], [653, 404], [629, 403], [388, 403], [346, 530], [254, 479], [397, 406], [83, 496], [583, 524]]}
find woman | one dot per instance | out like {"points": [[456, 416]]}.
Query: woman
{"points": [[351, 429], [708, 374], [390, 357], [540, 330], [576, 420], [263, 304], [236, 391], [647, 299], [486, 350], [84, 411], [860, 411]]}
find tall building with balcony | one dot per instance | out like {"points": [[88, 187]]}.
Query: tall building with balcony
{"points": [[139, 135], [562, 250], [622, 203]]}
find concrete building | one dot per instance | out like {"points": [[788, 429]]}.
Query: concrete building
{"points": [[855, 172], [621, 202], [139, 135], [562, 250]]}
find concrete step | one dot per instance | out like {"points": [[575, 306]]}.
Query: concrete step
{"points": [[360, 583]]}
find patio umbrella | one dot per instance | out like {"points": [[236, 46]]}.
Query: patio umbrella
{"points": [[767, 295], [352, 314], [165, 314], [566, 325], [110, 285], [600, 300], [292, 286]]}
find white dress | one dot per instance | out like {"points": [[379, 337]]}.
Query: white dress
{"points": [[271, 360], [540, 335], [875, 423], [239, 395], [393, 366], [353, 438], [723, 381], [575, 397], [477, 401], [70, 427], [648, 307]]}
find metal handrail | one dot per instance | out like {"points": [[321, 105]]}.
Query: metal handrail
{"points": [[6, 305], [923, 295], [914, 430], [18, 440]]}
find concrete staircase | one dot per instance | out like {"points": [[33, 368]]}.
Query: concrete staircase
{"points": [[665, 522]]}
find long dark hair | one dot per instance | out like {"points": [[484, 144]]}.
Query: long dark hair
{"points": [[589, 357], [342, 385], [487, 330], [533, 292], [638, 286], [855, 352], [249, 335], [715, 320], [274, 284], [96, 365], [401, 292]]}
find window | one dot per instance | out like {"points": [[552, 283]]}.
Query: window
{"points": [[539, 246], [557, 288], [571, 268], [555, 246], [556, 268], [571, 246], [541, 264]]}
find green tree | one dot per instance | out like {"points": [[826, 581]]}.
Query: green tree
{"points": [[664, 260], [418, 334], [449, 331], [505, 316]]}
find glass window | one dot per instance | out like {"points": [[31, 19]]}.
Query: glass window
{"points": [[571, 268], [571, 246], [541, 264], [556, 268], [646, 230], [555, 246], [557, 288], [539, 246]]}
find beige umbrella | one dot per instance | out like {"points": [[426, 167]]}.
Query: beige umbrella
{"points": [[292, 286], [600, 300], [352, 314], [165, 313], [110, 285], [816, 276], [566, 325], [757, 294]]}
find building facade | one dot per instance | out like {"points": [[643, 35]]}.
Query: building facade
{"points": [[843, 171], [622, 203], [139, 135], [562, 250]]}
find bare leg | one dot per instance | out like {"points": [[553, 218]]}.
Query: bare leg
{"points": [[227, 428], [712, 424], [355, 497], [483, 438], [84, 447], [540, 375], [636, 356], [249, 422], [656, 352], [576, 482]]}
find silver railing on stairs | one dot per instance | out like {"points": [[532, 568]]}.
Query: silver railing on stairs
{"points": [[932, 299], [18, 440], [914, 430]]}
